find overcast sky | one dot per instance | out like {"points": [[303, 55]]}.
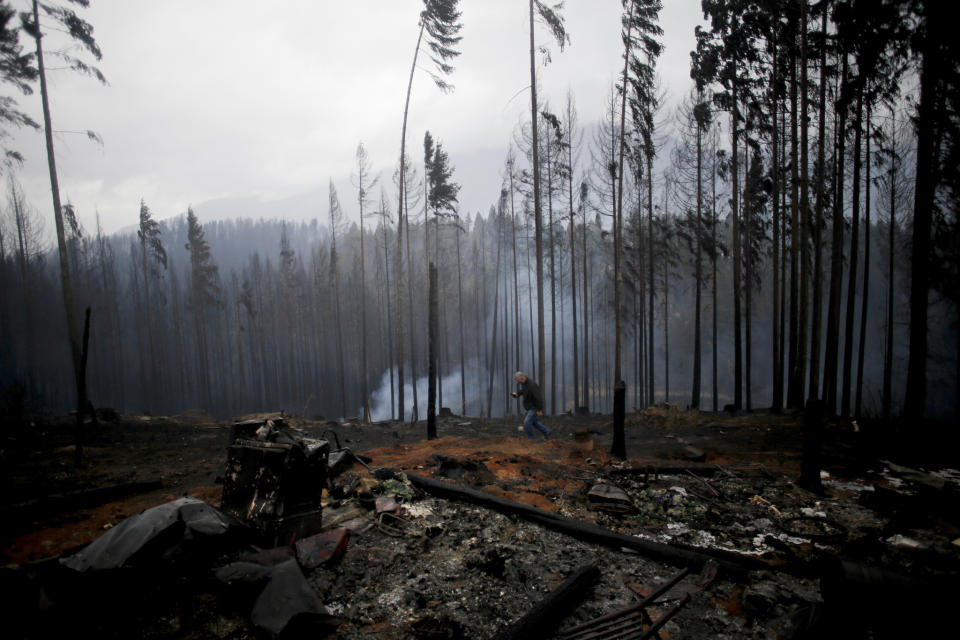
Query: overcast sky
{"points": [[249, 108]]}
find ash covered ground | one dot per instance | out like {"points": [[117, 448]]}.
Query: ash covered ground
{"points": [[448, 568]]}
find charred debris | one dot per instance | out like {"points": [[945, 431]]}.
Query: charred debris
{"points": [[314, 539]]}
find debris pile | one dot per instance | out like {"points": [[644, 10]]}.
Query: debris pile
{"points": [[274, 479]]}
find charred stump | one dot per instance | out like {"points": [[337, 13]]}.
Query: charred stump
{"points": [[619, 448]]}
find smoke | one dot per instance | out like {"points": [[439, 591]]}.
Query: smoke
{"points": [[454, 393]]}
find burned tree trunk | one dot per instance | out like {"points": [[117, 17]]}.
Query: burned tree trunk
{"points": [[812, 442], [491, 363], [82, 402], [432, 357], [619, 448]]}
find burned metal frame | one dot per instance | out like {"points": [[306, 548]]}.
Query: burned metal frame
{"points": [[627, 622], [274, 479]]}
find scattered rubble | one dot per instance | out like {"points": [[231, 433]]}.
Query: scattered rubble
{"points": [[502, 538]]}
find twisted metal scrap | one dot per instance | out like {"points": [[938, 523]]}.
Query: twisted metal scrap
{"points": [[627, 623]]}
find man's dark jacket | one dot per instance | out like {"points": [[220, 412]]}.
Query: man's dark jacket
{"points": [[532, 396]]}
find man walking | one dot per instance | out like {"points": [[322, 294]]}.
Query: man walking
{"points": [[532, 403]]}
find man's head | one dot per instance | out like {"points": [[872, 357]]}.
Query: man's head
{"points": [[520, 376]]}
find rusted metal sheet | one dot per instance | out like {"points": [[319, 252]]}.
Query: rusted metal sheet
{"points": [[386, 504], [322, 548]]}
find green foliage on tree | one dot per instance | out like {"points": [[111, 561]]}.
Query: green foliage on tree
{"points": [[441, 190], [149, 235], [152, 256], [16, 70], [640, 33], [204, 290], [441, 21], [81, 32], [553, 19]]}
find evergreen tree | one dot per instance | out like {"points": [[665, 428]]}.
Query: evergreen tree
{"points": [[440, 21], [364, 183], [552, 17], [641, 49], [441, 198], [936, 121], [17, 70], [441, 190], [80, 31], [152, 256], [336, 221], [694, 119], [571, 144], [720, 56], [27, 251], [820, 178], [203, 298]]}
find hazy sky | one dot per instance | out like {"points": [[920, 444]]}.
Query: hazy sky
{"points": [[250, 108]]}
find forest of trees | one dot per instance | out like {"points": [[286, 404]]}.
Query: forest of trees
{"points": [[787, 233]]}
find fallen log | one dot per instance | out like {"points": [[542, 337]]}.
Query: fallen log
{"points": [[733, 564], [544, 618]]}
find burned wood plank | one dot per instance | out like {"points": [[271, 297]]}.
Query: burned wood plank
{"points": [[543, 619], [733, 564]]}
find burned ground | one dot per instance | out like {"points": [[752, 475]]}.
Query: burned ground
{"points": [[718, 485]]}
